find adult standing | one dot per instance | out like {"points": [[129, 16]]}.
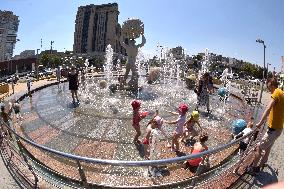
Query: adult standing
{"points": [[58, 75], [202, 92], [275, 114], [73, 83]]}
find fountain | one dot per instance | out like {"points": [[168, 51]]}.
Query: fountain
{"points": [[101, 127]]}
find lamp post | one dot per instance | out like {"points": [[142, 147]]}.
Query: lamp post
{"points": [[268, 64], [37, 64], [262, 86]]}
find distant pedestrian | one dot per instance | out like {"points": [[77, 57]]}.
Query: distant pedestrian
{"points": [[58, 75], [17, 107], [275, 113], [73, 83], [29, 84], [202, 92]]}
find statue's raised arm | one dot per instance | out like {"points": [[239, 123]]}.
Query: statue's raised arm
{"points": [[143, 42]]}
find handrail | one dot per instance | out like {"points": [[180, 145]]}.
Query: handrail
{"points": [[132, 163]]}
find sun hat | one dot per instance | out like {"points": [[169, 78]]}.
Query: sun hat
{"points": [[183, 108], [135, 104], [195, 115]]}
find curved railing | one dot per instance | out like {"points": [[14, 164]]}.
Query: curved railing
{"points": [[77, 171]]}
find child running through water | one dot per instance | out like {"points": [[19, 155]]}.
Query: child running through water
{"points": [[182, 109], [189, 126], [137, 117], [156, 122]]}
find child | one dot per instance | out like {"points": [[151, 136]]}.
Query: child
{"points": [[189, 126], [16, 107], [156, 122], [244, 143], [29, 83], [182, 109], [154, 138], [137, 117], [5, 117]]}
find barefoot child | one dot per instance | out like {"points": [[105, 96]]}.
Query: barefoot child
{"points": [[156, 122], [182, 109], [137, 117], [189, 126]]}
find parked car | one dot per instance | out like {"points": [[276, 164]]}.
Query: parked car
{"points": [[48, 71]]}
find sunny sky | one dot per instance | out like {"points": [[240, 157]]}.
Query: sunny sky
{"points": [[227, 27]]}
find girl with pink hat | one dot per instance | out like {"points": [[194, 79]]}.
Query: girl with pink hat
{"points": [[137, 117], [182, 110], [156, 122]]}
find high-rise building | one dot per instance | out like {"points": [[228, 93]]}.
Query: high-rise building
{"points": [[8, 34], [96, 26]]}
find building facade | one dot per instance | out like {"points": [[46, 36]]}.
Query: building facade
{"points": [[8, 34], [96, 26]]}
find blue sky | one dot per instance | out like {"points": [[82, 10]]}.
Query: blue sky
{"points": [[227, 27]]}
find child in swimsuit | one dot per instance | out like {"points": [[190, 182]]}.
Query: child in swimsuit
{"points": [[156, 122], [137, 117], [182, 109], [189, 129]]}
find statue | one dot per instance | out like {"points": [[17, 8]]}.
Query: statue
{"points": [[132, 29]]}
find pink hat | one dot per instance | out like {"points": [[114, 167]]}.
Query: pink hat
{"points": [[135, 104], [159, 121], [183, 108]]}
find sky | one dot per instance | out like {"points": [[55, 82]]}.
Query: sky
{"points": [[227, 27]]}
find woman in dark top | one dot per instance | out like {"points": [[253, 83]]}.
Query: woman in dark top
{"points": [[202, 92], [73, 83]]}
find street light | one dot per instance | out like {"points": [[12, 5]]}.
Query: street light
{"points": [[268, 64], [264, 47], [37, 64]]}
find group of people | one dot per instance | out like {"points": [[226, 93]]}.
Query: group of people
{"points": [[183, 129]]}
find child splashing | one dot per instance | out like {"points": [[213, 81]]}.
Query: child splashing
{"points": [[189, 129], [137, 117], [182, 110]]}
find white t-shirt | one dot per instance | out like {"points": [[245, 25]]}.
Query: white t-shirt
{"points": [[246, 131]]}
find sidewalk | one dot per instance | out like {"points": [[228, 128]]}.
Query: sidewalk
{"points": [[6, 179]]}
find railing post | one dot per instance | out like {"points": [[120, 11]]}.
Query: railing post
{"points": [[82, 174], [26, 160]]}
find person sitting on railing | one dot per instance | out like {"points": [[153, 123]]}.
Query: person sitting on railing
{"points": [[5, 117], [244, 143], [198, 147], [189, 129], [275, 114]]}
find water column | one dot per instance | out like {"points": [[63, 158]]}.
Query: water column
{"points": [[108, 64]]}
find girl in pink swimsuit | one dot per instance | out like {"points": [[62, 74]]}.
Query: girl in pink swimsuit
{"points": [[137, 117], [182, 109]]}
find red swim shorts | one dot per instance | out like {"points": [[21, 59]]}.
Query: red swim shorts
{"points": [[146, 141]]}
